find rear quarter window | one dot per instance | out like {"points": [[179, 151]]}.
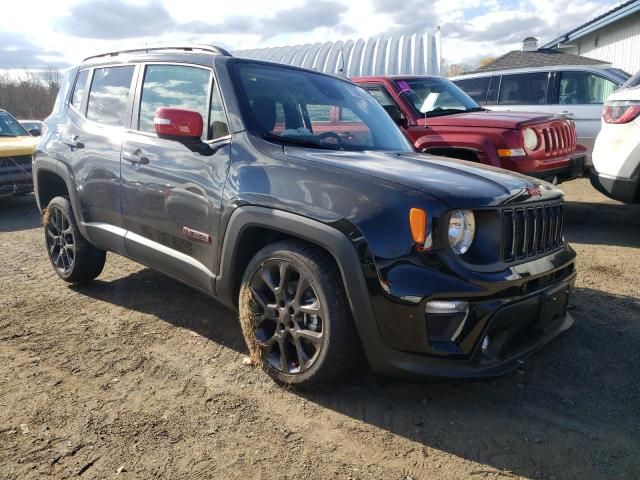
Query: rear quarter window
{"points": [[79, 89], [476, 88]]}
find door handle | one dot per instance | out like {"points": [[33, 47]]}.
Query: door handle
{"points": [[567, 113], [72, 141], [136, 157]]}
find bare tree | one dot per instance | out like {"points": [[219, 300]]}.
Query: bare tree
{"points": [[486, 61], [29, 94], [51, 77], [454, 69]]}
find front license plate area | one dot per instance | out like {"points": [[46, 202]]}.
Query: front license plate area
{"points": [[553, 307]]}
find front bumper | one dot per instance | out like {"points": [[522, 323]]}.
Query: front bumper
{"points": [[518, 316], [15, 175], [574, 169], [15, 189], [623, 189]]}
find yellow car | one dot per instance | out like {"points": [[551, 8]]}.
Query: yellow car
{"points": [[16, 147]]}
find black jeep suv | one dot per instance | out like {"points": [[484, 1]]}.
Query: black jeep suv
{"points": [[292, 196]]}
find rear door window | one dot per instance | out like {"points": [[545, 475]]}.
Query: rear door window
{"points": [[584, 88], [174, 86], [476, 88], [524, 89], [109, 96], [380, 94]]}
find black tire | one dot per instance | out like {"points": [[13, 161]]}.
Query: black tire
{"points": [[73, 258], [308, 317]]}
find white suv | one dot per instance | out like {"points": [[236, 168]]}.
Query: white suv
{"points": [[571, 90], [616, 155]]}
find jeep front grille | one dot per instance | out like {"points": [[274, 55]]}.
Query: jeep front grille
{"points": [[531, 231], [15, 170], [558, 139]]}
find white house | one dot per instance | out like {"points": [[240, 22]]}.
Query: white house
{"points": [[613, 37]]}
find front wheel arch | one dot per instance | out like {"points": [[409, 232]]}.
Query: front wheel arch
{"points": [[331, 240], [453, 152]]}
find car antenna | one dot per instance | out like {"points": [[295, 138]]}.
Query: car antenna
{"points": [[341, 69]]}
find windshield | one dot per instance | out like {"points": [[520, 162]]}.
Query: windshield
{"points": [[633, 82], [29, 125], [314, 110], [436, 96], [9, 126], [619, 72]]}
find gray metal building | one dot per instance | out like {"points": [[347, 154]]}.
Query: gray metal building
{"points": [[416, 54]]}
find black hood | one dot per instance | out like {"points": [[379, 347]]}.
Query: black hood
{"points": [[458, 183]]}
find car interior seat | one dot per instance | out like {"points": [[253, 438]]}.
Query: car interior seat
{"points": [[264, 110], [570, 93]]}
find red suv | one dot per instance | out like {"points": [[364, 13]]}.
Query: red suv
{"points": [[441, 119]]}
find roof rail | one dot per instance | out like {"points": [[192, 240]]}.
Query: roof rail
{"points": [[185, 47]]}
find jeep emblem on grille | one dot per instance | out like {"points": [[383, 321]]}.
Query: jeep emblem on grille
{"points": [[534, 191]]}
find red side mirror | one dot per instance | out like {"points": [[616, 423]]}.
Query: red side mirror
{"points": [[176, 122]]}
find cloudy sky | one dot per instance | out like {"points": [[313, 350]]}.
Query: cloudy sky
{"points": [[35, 33]]}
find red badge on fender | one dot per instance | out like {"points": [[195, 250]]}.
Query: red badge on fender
{"points": [[196, 235]]}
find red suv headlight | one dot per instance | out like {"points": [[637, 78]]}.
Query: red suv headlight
{"points": [[531, 139], [620, 111]]}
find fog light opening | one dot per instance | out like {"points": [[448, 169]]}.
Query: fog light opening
{"points": [[447, 306], [446, 319]]}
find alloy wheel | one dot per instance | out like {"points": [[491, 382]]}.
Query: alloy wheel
{"points": [[288, 317], [60, 241]]}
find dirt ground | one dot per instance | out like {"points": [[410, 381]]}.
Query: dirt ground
{"points": [[138, 376]]}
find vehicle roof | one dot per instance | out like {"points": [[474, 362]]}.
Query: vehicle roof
{"points": [[604, 69], [196, 58], [395, 77]]}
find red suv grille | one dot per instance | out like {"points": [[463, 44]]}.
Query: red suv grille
{"points": [[558, 138]]}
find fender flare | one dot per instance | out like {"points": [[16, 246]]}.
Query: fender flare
{"points": [[482, 147], [53, 166], [325, 236]]}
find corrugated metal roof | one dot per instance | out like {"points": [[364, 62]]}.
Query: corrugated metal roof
{"points": [[417, 54], [618, 13], [539, 58]]}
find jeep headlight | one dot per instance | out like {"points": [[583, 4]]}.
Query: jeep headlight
{"points": [[462, 228], [530, 138]]}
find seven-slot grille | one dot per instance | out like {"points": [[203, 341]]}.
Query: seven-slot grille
{"points": [[531, 231], [558, 139], [15, 170]]}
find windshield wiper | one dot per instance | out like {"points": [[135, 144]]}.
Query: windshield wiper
{"points": [[443, 111], [7, 135], [302, 142], [450, 111]]}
